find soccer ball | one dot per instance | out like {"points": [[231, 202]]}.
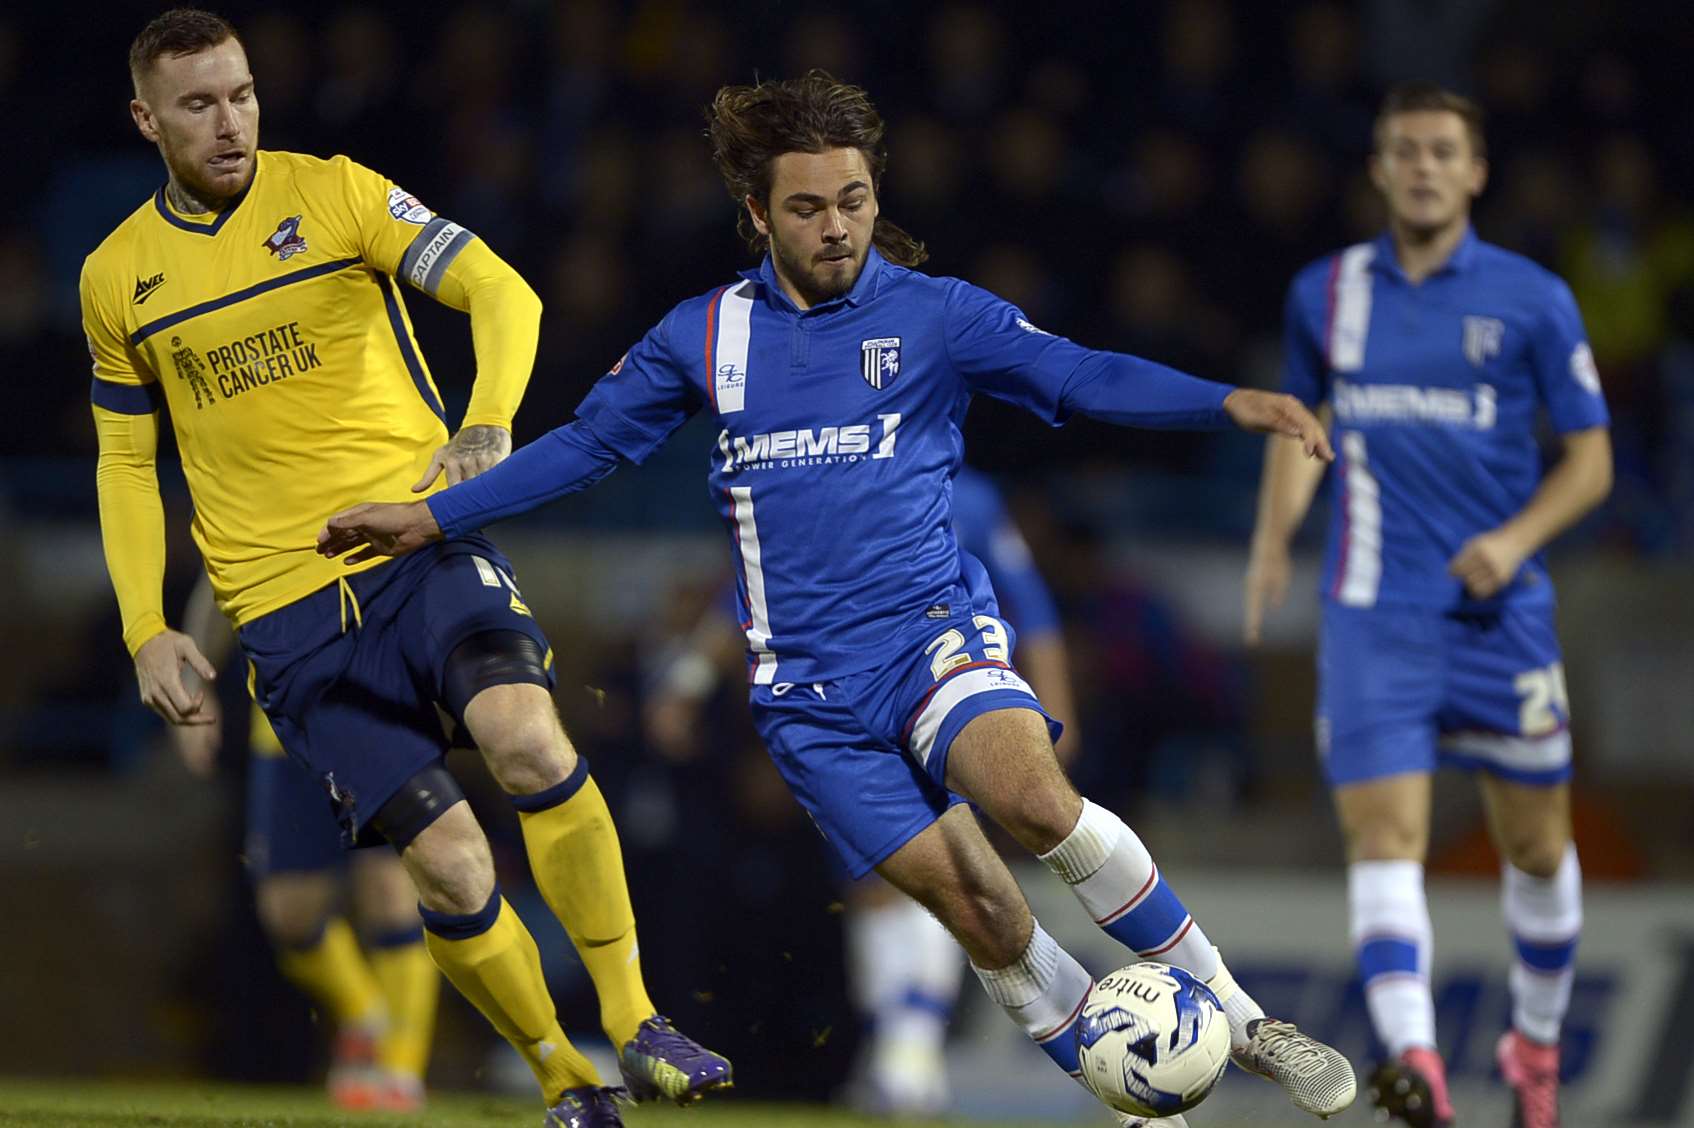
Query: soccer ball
{"points": [[1152, 1040]]}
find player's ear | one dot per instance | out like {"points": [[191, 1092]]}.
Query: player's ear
{"points": [[144, 120], [1478, 175], [761, 219], [1377, 178]]}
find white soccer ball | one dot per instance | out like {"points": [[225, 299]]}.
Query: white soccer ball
{"points": [[1152, 1040]]}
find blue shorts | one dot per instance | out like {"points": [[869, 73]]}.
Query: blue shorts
{"points": [[290, 823], [867, 755], [1402, 689], [350, 675]]}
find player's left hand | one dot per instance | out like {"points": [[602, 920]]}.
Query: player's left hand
{"points": [[1487, 562], [378, 529], [467, 454], [1277, 413]]}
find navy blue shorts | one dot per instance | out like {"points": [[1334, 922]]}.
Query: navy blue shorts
{"points": [[290, 823], [867, 755], [1403, 689], [350, 675]]}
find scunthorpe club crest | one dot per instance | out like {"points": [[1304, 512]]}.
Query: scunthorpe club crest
{"points": [[879, 361]]}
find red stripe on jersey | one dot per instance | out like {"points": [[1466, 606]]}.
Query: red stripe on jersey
{"points": [[712, 347]]}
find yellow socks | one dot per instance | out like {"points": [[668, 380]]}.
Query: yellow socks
{"points": [[410, 987], [333, 972], [578, 865], [492, 959]]}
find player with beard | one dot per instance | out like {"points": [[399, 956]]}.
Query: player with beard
{"points": [[880, 675], [255, 295]]}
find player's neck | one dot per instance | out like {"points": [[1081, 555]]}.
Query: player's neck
{"points": [[1422, 252], [800, 300], [189, 203]]}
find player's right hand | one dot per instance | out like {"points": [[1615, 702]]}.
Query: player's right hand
{"points": [[1268, 570], [378, 529], [1277, 413], [158, 671]]}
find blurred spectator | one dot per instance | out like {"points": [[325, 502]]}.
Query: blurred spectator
{"points": [[966, 63], [1328, 100], [1624, 261], [1423, 39]]}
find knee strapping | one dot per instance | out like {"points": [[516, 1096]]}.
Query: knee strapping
{"points": [[419, 802], [487, 659]]}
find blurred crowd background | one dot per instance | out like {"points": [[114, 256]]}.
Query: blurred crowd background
{"points": [[1143, 177]]}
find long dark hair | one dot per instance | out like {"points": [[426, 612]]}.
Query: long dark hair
{"points": [[750, 126]]}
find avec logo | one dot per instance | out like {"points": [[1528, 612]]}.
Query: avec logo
{"points": [[144, 287]]}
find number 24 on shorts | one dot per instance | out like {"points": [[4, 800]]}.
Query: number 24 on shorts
{"points": [[1542, 691], [945, 648]]}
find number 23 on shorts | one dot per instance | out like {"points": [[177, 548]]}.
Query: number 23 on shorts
{"points": [[947, 650]]}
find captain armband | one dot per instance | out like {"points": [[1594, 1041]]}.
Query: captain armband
{"points": [[426, 260]]}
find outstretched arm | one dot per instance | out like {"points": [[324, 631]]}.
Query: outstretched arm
{"points": [[999, 352], [561, 462]]}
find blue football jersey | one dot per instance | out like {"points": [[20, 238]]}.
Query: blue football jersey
{"points": [[1436, 390], [837, 447]]}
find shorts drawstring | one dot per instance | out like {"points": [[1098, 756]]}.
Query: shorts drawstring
{"points": [[347, 597]]}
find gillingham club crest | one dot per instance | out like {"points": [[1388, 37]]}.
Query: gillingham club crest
{"points": [[879, 361]]}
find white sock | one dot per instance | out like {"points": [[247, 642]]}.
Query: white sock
{"points": [[1392, 939], [938, 963], [879, 961], [1238, 1006], [1544, 916], [1113, 875], [1043, 993]]}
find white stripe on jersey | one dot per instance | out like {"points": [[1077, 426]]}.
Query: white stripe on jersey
{"points": [[1362, 547], [1350, 319], [759, 634], [985, 679], [729, 364]]}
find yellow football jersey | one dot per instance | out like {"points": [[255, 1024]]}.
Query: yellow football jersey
{"points": [[275, 335]]}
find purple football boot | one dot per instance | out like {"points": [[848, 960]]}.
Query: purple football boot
{"points": [[587, 1107], [660, 1062]]}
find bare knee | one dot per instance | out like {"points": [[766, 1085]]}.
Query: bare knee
{"points": [[518, 731], [1386, 841], [1531, 825], [292, 907], [1004, 762], [450, 864], [1385, 820], [952, 871], [1537, 850]]}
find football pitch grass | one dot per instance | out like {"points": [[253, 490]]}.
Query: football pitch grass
{"points": [[196, 1104], [189, 1104]]}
